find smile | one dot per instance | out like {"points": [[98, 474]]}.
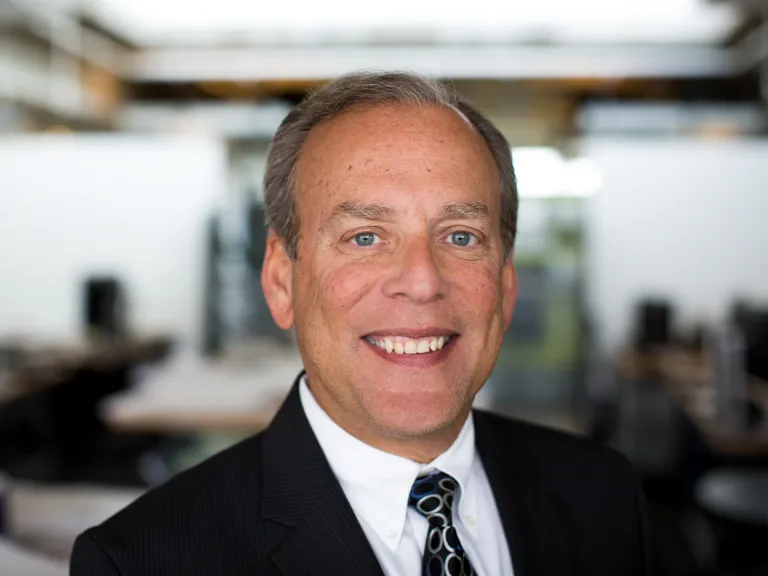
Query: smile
{"points": [[411, 346]]}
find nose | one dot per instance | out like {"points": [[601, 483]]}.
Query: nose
{"points": [[416, 274]]}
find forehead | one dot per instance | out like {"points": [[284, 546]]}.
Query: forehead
{"points": [[389, 148]]}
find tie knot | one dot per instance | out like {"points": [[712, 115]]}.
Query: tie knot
{"points": [[432, 496]]}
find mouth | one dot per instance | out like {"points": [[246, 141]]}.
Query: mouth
{"points": [[413, 344]]}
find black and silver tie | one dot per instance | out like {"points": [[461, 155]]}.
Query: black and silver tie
{"points": [[433, 496]]}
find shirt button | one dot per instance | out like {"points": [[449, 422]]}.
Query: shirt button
{"points": [[392, 533], [471, 520]]}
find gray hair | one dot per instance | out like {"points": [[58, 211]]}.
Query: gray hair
{"points": [[370, 89]]}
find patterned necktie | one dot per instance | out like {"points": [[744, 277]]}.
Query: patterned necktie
{"points": [[433, 497]]}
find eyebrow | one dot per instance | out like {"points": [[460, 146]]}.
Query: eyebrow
{"points": [[361, 211], [465, 210], [380, 212]]}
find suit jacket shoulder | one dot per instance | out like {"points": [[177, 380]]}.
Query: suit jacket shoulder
{"points": [[200, 516], [584, 496]]}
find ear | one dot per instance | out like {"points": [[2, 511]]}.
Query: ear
{"points": [[508, 290], [276, 281]]}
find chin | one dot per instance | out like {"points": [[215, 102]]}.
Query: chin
{"points": [[413, 417]]}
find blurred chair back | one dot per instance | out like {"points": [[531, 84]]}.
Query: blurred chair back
{"points": [[726, 351]]}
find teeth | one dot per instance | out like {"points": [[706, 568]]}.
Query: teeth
{"points": [[401, 345]]}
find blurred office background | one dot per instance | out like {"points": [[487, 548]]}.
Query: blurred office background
{"points": [[134, 339]]}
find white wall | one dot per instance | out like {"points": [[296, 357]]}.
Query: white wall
{"points": [[680, 218], [135, 206]]}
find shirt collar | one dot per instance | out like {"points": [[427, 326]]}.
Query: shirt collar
{"points": [[377, 483]]}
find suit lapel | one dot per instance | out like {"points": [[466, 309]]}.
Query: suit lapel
{"points": [[535, 520], [301, 491], [329, 542]]}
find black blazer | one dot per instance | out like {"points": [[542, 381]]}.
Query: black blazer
{"points": [[271, 505]]}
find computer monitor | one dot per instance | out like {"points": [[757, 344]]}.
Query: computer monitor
{"points": [[653, 323]]}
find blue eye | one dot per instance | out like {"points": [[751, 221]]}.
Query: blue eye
{"points": [[462, 238], [366, 239]]}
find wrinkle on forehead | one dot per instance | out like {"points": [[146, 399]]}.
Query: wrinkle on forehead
{"points": [[372, 124]]}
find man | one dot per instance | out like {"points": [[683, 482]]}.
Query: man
{"points": [[392, 210]]}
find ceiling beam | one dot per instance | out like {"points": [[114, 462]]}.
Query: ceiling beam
{"points": [[755, 46], [51, 63], [65, 34], [458, 62]]}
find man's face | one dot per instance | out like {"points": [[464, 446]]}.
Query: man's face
{"points": [[400, 294]]}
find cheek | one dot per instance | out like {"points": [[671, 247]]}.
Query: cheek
{"points": [[341, 288], [481, 288]]}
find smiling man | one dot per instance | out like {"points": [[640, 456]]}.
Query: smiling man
{"points": [[392, 209]]}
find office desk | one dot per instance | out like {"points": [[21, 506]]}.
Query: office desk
{"points": [[16, 561], [43, 365], [190, 395], [687, 379], [47, 517], [48, 398]]}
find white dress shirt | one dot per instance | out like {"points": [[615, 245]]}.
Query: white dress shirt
{"points": [[377, 485]]}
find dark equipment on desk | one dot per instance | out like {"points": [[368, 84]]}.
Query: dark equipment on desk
{"points": [[653, 323], [104, 307], [752, 321], [756, 337]]}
